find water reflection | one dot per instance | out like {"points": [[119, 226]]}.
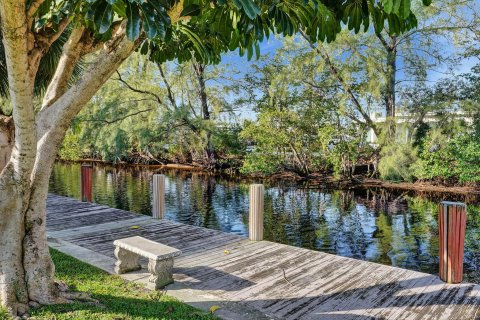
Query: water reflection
{"points": [[370, 224]]}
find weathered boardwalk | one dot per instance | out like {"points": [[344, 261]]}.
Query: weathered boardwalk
{"points": [[264, 278]]}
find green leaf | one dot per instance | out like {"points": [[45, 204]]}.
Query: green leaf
{"points": [[396, 6], [119, 8], [103, 17], [150, 23], [388, 6], [190, 10], [249, 53], [378, 20], [257, 50], [405, 9], [133, 23], [197, 43], [250, 8]]}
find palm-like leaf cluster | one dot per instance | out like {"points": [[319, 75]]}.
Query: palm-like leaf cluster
{"points": [[46, 69], [205, 29]]}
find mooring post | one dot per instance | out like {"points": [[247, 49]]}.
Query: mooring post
{"points": [[86, 177], [255, 230], [452, 220], [158, 211]]}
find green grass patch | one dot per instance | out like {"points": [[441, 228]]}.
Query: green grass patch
{"points": [[117, 299], [4, 314]]}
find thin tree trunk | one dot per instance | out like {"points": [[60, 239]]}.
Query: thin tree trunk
{"points": [[202, 92], [390, 85], [390, 101]]}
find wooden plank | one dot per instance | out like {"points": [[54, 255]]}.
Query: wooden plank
{"points": [[332, 283], [233, 276], [282, 281], [413, 294], [285, 278], [216, 252]]}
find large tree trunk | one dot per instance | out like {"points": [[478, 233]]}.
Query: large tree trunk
{"points": [[26, 268], [15, 178], [38, 265], [24, 246], [13, 291], [53, 123]]}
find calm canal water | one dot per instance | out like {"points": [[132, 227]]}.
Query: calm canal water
{"points": [[374, 225]]}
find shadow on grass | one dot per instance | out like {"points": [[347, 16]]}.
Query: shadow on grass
{"points": [[116, 298], [117, 307]]}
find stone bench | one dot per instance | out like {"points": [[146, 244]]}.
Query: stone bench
{"points": [[160, 258]]}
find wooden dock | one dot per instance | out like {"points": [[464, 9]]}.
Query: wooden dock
{"points": [[265, 279]]}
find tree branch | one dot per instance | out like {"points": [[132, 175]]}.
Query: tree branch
{"points": [[169, 88], [344, 84], [58, 116], [71, 54], [156, 96], [383, 41], [40, 42], [117, 119], [32, 10]]}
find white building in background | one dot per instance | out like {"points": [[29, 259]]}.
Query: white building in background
{"points": [[405, 121]]}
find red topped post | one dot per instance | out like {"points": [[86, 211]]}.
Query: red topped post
{"points": [[86, 174], [452, 220]]}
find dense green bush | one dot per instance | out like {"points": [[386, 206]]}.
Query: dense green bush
{"points": [[342, 149], [454, 158], [263, 163], [396, 162], [283, 139], [226, 140], [71, 148]]}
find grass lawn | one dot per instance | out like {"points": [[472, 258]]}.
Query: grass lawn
{"points": [[117, 299]]}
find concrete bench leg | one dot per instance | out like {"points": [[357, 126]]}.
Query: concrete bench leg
{"points": [[126, 261], [161, 272]]}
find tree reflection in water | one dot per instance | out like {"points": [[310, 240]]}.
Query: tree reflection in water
{"points": [[397, 229]]}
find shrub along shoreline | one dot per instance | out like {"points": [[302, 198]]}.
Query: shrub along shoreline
{"points": [[315, 180]]}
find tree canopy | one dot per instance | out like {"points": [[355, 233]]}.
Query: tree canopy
{"points": [[170, 29]]}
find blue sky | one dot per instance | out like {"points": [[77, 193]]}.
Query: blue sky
{"points": [[241, 65]]}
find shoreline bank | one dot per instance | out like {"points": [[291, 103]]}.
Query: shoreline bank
{"points": [[317, 180]]}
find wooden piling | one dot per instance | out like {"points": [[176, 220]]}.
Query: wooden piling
{"points": [[86, 178], [158, 210], [452, 220], [255, 230]]}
